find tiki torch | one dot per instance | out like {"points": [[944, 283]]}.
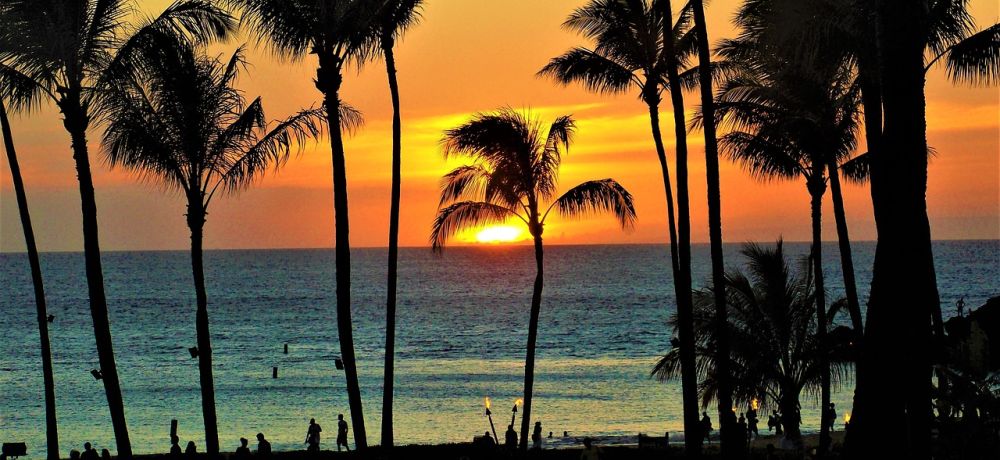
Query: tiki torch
{"points": [[513, 412], [490, 416], [847, 420]]}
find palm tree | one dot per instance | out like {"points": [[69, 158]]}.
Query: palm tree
{"points": [[395, 17], [773, 326], [66, 49], [337, 32], [639, 47], [51, 427], [513, 174], [182, 123], [727, 419], [792, 119]]}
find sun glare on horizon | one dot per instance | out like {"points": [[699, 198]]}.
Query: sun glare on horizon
{"points": [[499, 234]]}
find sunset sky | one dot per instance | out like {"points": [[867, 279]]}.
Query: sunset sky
{"points": [[468, 56]]}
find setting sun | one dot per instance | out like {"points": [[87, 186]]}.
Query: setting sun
{"points": [[499, 234]]}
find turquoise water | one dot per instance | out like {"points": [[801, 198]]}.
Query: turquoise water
{"points": [[462, 327]]}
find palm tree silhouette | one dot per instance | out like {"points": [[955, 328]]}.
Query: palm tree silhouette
{"points": [[337, 32], [66, 49], [395, 17], [773, 326], [640, 47], [51, 427], [791, 119], [180, 121], [727, 420], [513, 174]]}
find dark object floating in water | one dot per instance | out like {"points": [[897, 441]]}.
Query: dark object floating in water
{"points": [[97, 374], [51, 318], [286, 348], [274, 372], [193, 351], [14, 449]]}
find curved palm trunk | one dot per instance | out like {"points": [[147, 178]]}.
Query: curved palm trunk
{"points": [[51, 429], [682, 285], [661, 154], [76, 120], [846, 256], [895, 393], [328, 80], [725, 396], [390, 303], [529, 359], [816, 189], [196, 223]]}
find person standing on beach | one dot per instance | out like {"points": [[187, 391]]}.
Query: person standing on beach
{"points": [[191, 451], [752, 421], [832, 419], [243, 452], [536, 436], [342, 433], [706, 426], [510, 438], [312, 435], [105, 454], [175, 447], [263, 446]]}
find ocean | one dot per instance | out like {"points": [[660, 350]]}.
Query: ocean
{"points": [[462, 325]]}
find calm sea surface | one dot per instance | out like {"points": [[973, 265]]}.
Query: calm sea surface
{"points": [[462, 325]]}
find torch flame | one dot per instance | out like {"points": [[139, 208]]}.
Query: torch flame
{"points": [[487, 399], [754, 403], [847, 417], [518, 401]]}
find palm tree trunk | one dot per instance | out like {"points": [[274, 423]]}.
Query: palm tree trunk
{"points": [[846, 256], [390, 303], [816, 189], [51, 429], [661, 154], [725, 396], [682, 285], [903, 305], [328, 81], [529, 359], [790, 421], [76, 120], [196, 223]]}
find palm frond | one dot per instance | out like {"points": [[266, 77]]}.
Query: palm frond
{"points": [[464, 181], [975, 60], [464, 215], [596, 72], [595, 197], [857, 170]]}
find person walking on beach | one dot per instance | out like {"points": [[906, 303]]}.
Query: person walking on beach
{"points": [[536, 436], [342, 433], [191, 450], [752, 422], [89, 453], [510, 438], [590, 451], [175, 447], [312, 435], [831, 420], [706, 426], [243, 452], [263, 446]]}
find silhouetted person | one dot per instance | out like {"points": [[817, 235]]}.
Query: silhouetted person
{"points": [[191, 450], [536, 436], [74, 454], [752, 422], [89, 453], [777, 424], [706, 426], [590, 451], [565, 434], [342, 433], [510, 438], [831, 420], [487, 440], [243, 452], [105, 454], [741, 428], [771, 422], [263, 446], [312, 435], [175, 447], [550, 435], [961, 306]]}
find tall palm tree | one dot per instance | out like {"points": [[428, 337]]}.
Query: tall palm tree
{"points": [[792, 118], [337, 32], [67, 49], [639, 47], [395, 17], [727, 420], [776, 351], [182, 123], [514, 173], [51, 427]]}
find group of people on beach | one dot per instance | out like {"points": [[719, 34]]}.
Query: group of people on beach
{"points": [[89, 453], [510, 438], [243, 451]]}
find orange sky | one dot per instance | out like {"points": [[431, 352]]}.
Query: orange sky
{"points": [[477, 55]]}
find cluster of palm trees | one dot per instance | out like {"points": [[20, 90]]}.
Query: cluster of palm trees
{"points": [[786, 98]]}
